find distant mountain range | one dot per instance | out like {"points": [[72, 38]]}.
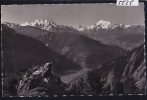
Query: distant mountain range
{"points": [[127, 37], [86, 52], [105, 25], [43, 24]]}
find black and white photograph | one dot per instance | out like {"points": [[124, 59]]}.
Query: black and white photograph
{"points": [[91, 49]]}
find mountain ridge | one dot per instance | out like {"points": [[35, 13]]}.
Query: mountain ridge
{"points": [[73, 45], [21, 52], [125, 36], [128, 69], [102, 24]]}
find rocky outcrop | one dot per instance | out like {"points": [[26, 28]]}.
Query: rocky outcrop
{"points": [[39, 81], [129, 65]]}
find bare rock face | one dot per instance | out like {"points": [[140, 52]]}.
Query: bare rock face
{"points": [[129, 65], [39, 81]]}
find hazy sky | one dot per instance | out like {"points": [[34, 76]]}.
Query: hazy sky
{"points": [[73, 14]]}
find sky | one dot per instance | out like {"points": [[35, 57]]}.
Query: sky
{"points": [[74, 14]]}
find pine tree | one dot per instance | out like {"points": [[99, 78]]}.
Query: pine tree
{"points": [[130, 87], [107, 90], [81, 86], [119, 88], [95, 83], [75, 90]]}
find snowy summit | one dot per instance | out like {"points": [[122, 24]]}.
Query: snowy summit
{"points": [[39, 23], [103, 24]]}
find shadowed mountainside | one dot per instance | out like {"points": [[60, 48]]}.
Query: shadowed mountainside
{"points": [[21, 52], [78, 48], [123, 75]]}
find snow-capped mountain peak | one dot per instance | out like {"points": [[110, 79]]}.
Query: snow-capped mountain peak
{"points": [[104, 24], [39, 23], [81, 28], [47, 25], [127, 26], [11, 25], [99, 25], [25, 24]]}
